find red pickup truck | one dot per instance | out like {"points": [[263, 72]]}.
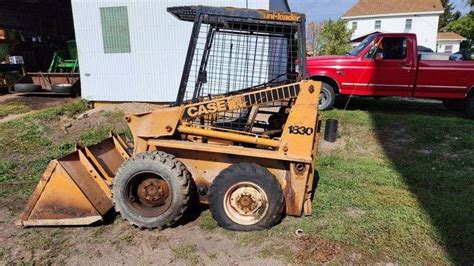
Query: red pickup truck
{"points": [[389, 65]]}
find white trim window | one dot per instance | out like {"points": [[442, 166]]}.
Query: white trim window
{"points": [[378, 24], [408, 24], [354, 25], [448, 48]]}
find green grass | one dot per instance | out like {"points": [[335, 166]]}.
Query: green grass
{"points": [[409, 199], [26, 147], [399, 189], [207, 222], [398, 186], [13, 108], [186, 252]]}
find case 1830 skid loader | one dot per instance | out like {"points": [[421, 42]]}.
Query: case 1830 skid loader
{"points": [[242, 135]]}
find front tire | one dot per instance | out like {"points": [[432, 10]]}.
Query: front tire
{"points": [[455, 105], [152, 190], [246, 197], [327, 97], [470, 107]]}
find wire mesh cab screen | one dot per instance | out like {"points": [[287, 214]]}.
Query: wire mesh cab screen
{"points": [[234, 49]]}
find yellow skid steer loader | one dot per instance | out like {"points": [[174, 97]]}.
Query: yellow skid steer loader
{"points": [[242, 135]]}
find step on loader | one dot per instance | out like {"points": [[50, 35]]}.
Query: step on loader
{"points": [[242, 136]]}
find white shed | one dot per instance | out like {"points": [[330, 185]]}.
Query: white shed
{"points": [[449, 42], [132, 50]]}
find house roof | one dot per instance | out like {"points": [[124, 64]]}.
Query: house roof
{"points": [[449, 36], [385, 7]]}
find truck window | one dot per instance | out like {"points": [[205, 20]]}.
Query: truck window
{"points": [[393, 48], [367, 41]]}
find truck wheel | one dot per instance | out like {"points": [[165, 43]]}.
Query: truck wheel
{"points": [[327, 97], [26, 87], [246, 197], [151, 190], [455, 105], [470, 107]]}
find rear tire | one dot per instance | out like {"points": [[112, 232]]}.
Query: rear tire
{"points": [[470, 107], [455, 105], [246, 197], [152, 190], [27, 87], [327, 97]]}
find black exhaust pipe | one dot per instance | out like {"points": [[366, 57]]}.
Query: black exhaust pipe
{"points": [[330, 131]]}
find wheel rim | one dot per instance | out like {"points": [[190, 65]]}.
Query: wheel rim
{"points": [[324, 98], [245, 203], [148, 194]]}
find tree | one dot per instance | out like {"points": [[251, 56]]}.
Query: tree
{"points": [[449, 15], [334, 38], [312, 37], [470, 3], [464, 26]]}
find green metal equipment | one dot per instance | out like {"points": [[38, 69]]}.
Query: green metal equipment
{"points": [[65, 61]]}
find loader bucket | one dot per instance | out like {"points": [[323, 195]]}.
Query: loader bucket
{"points": [[75, 189]]}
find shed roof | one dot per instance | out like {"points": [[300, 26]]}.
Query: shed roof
{"points": [[385, 7], [449, 36]]}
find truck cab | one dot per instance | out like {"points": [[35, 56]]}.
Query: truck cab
{"points": [[389, 65]]}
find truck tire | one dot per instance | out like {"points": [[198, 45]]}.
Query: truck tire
{"points": [[246, 197], [152, 190], [455, 105], [470, 107], [61, 88], [327, 97], [27, 87]]}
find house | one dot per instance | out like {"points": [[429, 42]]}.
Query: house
{"points": [[135, 50], [411, 16], [449, 42]]}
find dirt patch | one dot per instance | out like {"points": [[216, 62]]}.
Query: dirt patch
{"points": [[313, 249], [35, 102], [121, 243], [112, 116], [116, 242], [326, 147], [355, 212], [31, 103]]}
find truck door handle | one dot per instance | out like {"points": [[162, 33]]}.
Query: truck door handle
{"points": [[406, 67]]}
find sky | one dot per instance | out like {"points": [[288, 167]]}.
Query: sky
{"points": [[320, 10]]}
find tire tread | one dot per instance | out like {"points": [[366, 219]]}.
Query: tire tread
{"points": [[181, 174]]}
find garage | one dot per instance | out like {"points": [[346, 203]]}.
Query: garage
{"points": [[32, 32]]}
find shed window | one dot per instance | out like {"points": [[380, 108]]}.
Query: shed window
{"points": [[378, 24], [448, 49], [115, 30]]}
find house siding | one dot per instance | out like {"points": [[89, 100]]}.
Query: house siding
{"points": [[425, 26], [158, 42]]}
